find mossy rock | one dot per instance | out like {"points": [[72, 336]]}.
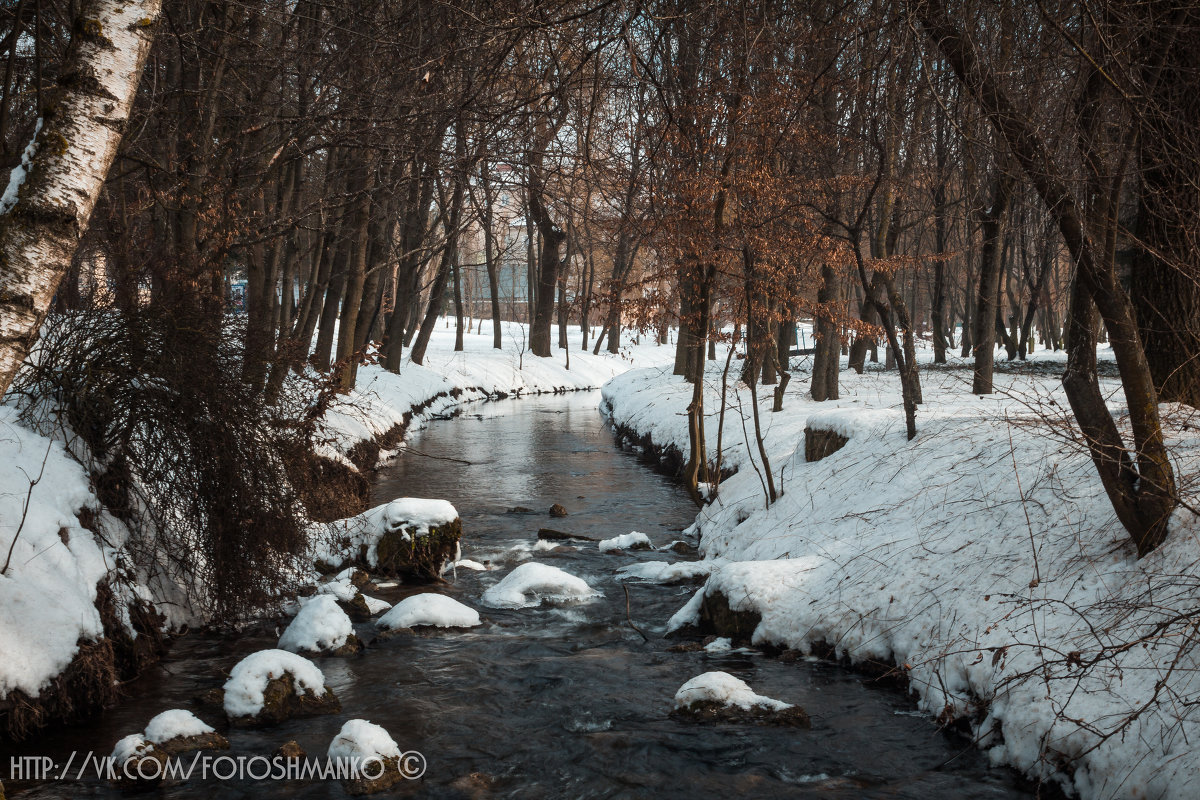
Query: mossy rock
{"points": [[557, 510], [389, 777], [280, 702], [403, 553], [356, 608], [711, 711], [360, 579], [552, 535], [201, 741], [352, 647], [291, 751], [716, 616]]}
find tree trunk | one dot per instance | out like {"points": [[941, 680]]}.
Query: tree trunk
{"points": [[986, 304], [76, 145]]}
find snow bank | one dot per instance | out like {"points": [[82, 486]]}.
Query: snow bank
{"points": [[725, 689], [48, 590], [625, 541], [175, 723], [321, 625], [360, 740], [248, 680], [383, 400], [532, 584], [983, 557], [429, 608]]}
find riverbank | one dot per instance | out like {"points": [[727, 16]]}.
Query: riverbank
{"points": [[385, 405], [981, 559], [75, 618]]}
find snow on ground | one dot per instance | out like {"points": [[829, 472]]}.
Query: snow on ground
{"points": [[50, 564], [983, 557], [321, 625], [360, 740], [626, 541], [429, 608], [249, 678], [381, 398], [723, 688], [175, 723], [532, 584]]}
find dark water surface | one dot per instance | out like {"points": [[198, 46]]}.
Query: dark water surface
{"points": [[558, 702]]}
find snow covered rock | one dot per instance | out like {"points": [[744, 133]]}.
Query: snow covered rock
{"points": [[429, 608], [137, 762], [321, 627], [373, 754], [532, 584], [407, 537], [633, 540], [665, 572], [357, 606], [180, 731], [720, 697], [270, 686]]}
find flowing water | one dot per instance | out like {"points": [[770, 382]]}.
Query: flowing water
{"points": [[558, 702]]}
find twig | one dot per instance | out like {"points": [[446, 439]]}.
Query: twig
{"points": [[25, 508], [629, 615]]}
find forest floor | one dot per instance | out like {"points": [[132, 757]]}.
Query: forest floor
{"points": [[981, 560]]}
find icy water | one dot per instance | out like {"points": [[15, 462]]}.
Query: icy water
{"points": [[558, 702]]}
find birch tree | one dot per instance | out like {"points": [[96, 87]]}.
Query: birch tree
{"points": [[52, 192]]}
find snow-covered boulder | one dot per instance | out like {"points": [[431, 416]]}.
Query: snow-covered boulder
{"points": [[665, 572], [371, 753], [410, 537], [272, 685], [532, 584], [634, 540], [321, 627], [429, 608], [358, 606], [720, 697], [137, 762], [180, 731]]}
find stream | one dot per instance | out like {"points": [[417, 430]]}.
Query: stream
{"points": [[556, 702]]}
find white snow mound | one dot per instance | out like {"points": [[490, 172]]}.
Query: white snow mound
{"points": [[173, 724], [248, 680], [723, 688], [624, 541], [132, 746], [666, 572], [360, 740], [429, 608], [532, 584], [321, 625]]}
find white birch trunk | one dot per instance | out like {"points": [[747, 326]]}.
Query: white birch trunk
{"points": [[82, 126]]}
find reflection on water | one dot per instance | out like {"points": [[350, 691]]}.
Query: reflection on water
{"points": [[561, 702]]}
